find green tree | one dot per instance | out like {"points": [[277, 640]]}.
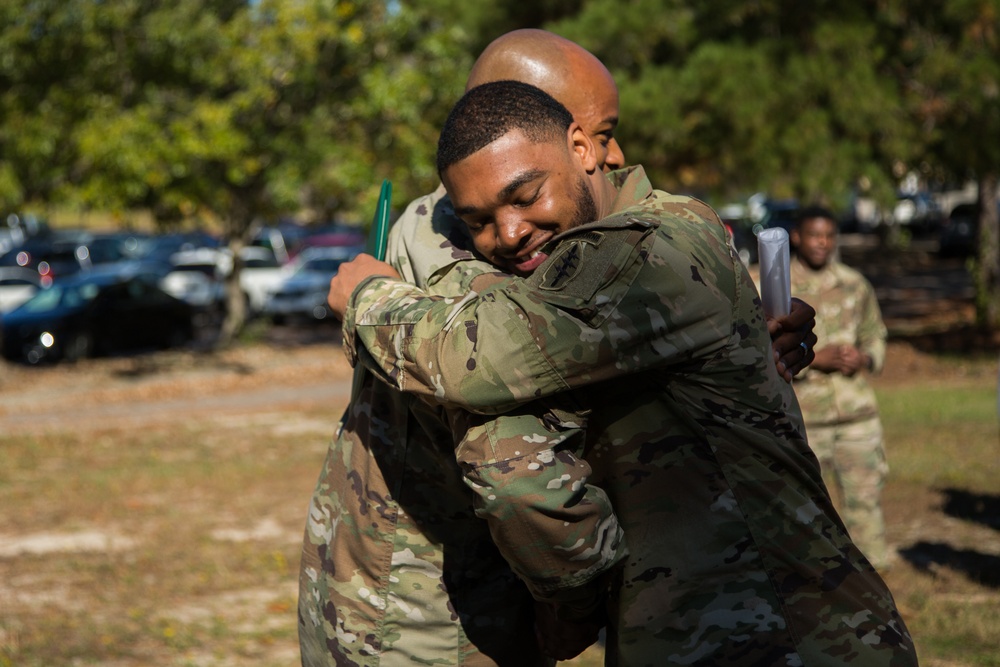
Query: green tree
{"points": [[724, 97], [226, 111], [952, 69]]}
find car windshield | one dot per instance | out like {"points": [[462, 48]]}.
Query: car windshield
{"points": [[204, 269], [61, 297], [325, 265]]}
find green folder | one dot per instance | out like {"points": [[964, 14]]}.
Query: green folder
{"points": [[378, 237], [378, 242]]}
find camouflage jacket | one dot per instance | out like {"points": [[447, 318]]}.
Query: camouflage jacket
{"points": [[674, 410], [396, 569], [847, 313]]}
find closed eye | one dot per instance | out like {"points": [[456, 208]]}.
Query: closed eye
{"points": [[525, 202]]}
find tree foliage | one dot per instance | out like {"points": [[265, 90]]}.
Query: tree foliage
{"points": [[226, 110], [952, 50], [235, 110], [725, 98]]}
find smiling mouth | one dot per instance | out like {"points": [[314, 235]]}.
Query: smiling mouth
{"points": [[530, 262]]}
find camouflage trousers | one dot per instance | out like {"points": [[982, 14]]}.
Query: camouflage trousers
{"points": [[852, 459]]}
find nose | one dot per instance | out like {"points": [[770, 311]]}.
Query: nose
{"points": [[513, 232], [615, 158]]}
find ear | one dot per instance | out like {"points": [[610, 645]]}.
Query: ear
{"points": [[582, 145], [793, 237]]}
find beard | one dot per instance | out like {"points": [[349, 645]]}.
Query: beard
{"points": [[586, 209]]}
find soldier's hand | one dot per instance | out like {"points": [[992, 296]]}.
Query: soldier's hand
{"points": [[793, 339], [562, 639], [349, 276], [852, 360]]}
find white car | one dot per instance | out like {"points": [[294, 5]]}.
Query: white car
{"points": [[199, 276], [260, 276], [17, 285]]}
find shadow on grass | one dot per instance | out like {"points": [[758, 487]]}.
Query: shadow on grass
{"points": [[983, 569], [205, 352], [980, 508]]}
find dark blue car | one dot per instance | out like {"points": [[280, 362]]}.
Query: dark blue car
{"points": [[95, 313]]}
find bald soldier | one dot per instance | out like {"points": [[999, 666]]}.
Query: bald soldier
{"points": [[396, 567]]}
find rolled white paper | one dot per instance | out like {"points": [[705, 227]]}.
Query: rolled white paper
{"points": [[775, 267]]}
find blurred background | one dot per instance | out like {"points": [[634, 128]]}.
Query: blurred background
{"points": [[263, 122], [178, 176]]}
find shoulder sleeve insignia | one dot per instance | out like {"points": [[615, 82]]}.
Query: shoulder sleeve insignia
{"points": [[567, 260], [589, 256]]}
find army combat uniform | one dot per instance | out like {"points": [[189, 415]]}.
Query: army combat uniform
{"points": [[840, 412], [636, 361], [396, 569]]}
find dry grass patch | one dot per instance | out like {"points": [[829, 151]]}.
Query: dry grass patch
{"points": [[171, 540]]}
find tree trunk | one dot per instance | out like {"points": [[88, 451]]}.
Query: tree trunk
{"points": [[236, 303], [987, 271]]}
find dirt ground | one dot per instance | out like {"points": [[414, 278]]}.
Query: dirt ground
{"points": [[174, 385]]}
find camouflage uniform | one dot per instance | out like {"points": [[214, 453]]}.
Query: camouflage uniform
{"points": [[644, 344], [396, 568], [841, 412]]}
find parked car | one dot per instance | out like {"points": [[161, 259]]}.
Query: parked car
{"points": [[108, 247], [260, 276], [737, 220], [50, 259], [162, 247], [340, 236], [918, 212], [959, 236], [281, 238], [779, 213], [99, 312], [17, 285], [303, 293], [198, 277]]}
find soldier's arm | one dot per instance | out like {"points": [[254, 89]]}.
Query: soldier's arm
{"points": [[556, 529], [513, 342], [872, 330]]}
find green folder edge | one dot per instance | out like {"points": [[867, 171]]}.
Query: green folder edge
{"points": [[378, 243], [379, 236]]}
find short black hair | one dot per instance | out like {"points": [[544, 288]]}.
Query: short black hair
{"points": [[487, 112], [814, 211]]}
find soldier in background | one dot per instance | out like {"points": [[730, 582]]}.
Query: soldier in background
{"points": [[838, 404], [631, 363]]}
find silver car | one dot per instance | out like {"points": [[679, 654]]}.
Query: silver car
{"points": [[303, 294]]}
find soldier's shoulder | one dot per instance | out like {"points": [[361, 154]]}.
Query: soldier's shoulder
{"points": [[419, 211], [848, 274], [594, 256], [690, 208]]}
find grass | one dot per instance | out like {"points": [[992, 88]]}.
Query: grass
{"points": [[179, 584], [944, 434], [193, 585], [943, 444]]}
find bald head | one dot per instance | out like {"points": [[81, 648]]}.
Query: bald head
{"points": [[566, 71]]}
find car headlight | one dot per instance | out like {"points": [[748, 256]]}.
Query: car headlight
{"points": [[47, 339]]}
